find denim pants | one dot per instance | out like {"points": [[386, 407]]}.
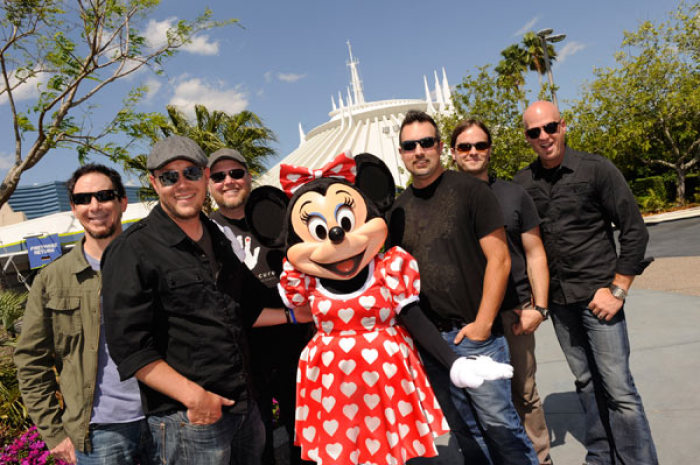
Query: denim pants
{"points": [[234, 439], [597, 351], [488, 410], [119, 444]]}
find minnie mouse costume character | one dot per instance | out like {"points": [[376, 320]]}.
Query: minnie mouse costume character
{"points": [[362, 394]]}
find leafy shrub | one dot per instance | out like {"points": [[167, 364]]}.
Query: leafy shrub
{"points": [[28, 449], [641, 187], [652, 202], [13, 414], [11, 309]]}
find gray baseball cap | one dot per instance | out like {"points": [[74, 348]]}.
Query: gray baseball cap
{"points": [[175, 148], [226, 153]]}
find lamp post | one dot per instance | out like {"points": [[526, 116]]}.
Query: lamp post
{"points": [[545, 37]]}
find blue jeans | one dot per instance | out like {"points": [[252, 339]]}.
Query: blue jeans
{"points": [[617, 430], [234, 438], [488, 410], [119, 444]]}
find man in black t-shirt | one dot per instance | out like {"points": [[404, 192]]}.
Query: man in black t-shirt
{"points": [[452, 224], [525, 303], [274, 350]]}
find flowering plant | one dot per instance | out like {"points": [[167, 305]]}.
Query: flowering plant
{"points": [[28, 449]]}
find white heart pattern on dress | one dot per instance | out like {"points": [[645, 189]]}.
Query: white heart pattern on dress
{"points": [[309, 433], [347, 366], [396, 264], [346, 344], [419, 448], [405, 408], [350, 410], [392, 282], [384, 314], [316, 395], [301, 413], [370, 355], [330, 426], [348, 388], [312, 373], [371, 336], [346, 314], [403, 430], [327, 357], [392, 438], [334, 450], [352, 433], [391, 347], [389, 369], [327, 326], [327, 380], [390, 415], [423, 428], [368, 322], [370, 377], [367, 301], [372, 423], [371, 400], [389, 391], [372, 445], [328, 403], [323, 306], [408, 386], [386, 293]]}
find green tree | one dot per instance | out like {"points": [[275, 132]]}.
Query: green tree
{"points": [[72, 52], [528, 55], [646, 110], [495, 100]]}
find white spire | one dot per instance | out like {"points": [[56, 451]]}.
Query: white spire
{"points": [[340, 100], [438, 92], [333, 103], [355, 78], [430, 108], [446, 88], [350, 102], [302, 136]]}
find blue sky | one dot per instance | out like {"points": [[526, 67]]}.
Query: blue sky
{"points": [[289, 57]]}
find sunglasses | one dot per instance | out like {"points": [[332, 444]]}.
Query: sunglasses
{"points": [[170, 177], [219, 176], [84, 198], [549, 128], [426, 143], [466, 147]]}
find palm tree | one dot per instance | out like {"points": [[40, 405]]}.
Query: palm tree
{"points": [[532, 45], [212, 130]]}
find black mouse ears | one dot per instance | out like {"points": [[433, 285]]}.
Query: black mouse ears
{"points": [[374, 179], [265, 212], [266, 208]]}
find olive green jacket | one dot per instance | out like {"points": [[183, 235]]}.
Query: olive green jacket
{"points": [[61, 328]]}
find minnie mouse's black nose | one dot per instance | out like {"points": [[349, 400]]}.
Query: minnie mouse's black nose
{"points": [[336, 234]]}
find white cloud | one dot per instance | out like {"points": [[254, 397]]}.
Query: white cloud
{"points": [[201, 45], [27, 90], [6, 161], [570, 48], [154, 86], [527, 27], [290, 77], [156, 36], [195, 91]]}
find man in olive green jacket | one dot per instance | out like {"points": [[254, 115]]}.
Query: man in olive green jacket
{"points": [[101, 420]]}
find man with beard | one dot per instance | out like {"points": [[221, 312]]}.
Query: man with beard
{"points": [[177, 305], [273, 366], [101, 420]]}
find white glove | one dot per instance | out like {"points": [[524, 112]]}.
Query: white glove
{"points": [[472, 372]]}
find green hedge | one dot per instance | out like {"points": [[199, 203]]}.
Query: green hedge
{"points": [[640, 187]]}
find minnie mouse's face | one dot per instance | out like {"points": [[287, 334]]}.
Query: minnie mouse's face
{"points": [[337, 240]]}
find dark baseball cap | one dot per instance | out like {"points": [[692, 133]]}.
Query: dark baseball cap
{"points": [[226, 153], [175, 148]]}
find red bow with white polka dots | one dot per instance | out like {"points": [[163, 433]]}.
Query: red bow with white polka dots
{"points": [[292, 177]]}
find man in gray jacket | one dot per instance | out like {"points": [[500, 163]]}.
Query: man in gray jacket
{"points": [[101, 420]]}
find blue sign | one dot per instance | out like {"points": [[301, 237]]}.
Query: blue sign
{"points": [[43, 250]]}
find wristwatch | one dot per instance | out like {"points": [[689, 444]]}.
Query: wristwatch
{"points": [[544, 311], [618, 292]]}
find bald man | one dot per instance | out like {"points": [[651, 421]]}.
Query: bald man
{"points": [[579, 196]]}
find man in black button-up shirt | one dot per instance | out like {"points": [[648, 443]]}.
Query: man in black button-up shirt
{"points": [[176, 303], [579, 196]]}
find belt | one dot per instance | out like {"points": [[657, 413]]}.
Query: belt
{"points": [[448, 324]]}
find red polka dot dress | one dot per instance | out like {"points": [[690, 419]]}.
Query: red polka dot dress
{"points": [[362, 394]]}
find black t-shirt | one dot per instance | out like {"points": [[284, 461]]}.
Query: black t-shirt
{"points": [[520, 215], [441, 226]]}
